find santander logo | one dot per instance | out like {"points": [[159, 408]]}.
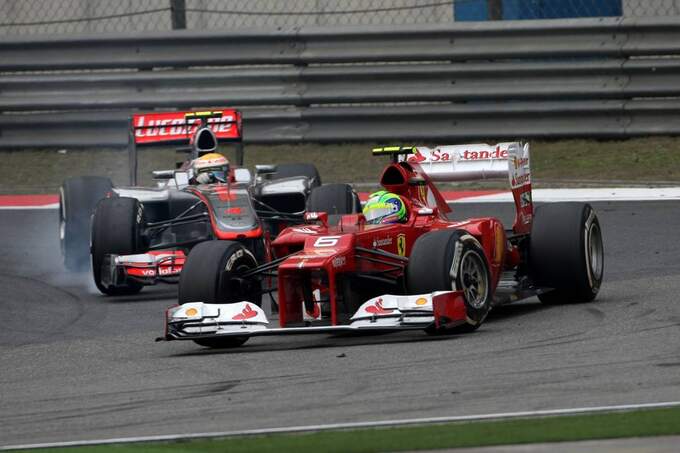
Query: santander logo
{"points": [[438, 155], [378, 309], [247, 313]]}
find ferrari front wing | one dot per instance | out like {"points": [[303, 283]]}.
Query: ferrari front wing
{"points": [[195, 320]]}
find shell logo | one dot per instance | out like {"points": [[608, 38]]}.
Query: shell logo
{"points": [[191, 311], [421, 301]]}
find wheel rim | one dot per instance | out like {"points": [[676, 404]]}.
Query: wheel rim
{"points": [[235, 288], [595, 251], [473, 279]]}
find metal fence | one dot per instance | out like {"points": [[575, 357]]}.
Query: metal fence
{"points": [[28, 17], [607, 77]]}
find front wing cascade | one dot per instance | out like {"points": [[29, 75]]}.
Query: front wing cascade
{"points": [[146, 268], [195, 320]]}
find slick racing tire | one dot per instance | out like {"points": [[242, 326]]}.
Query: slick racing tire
{"points": [[335, 199], [566, 252], [448, 260], [116, 229], [211, 275], [78, 197], [298, 169]]}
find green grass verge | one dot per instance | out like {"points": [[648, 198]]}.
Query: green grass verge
{"points": [[571, 163], [655, 422]]}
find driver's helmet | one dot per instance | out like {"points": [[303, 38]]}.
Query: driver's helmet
{"points": [[211, 168], [385, 207]]}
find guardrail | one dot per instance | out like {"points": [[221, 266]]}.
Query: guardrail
{"points": [[607, 77]]}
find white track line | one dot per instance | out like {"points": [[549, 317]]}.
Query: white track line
{"points": [[339, 426], [41, 206], [595, 194]]}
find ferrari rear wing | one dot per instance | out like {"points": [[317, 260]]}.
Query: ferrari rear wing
{"points": [[191, 128], [479, 161]]}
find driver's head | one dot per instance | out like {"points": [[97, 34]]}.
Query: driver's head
{"points": [[385, 207], [211, 168]]}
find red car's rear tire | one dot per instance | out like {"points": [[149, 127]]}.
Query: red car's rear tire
{"points": [[566, 252]]}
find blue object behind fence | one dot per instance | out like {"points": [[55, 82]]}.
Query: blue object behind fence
{"points": [[476, 10]]}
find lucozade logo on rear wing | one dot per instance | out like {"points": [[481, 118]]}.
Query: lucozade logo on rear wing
{"points": [[157, 127]]}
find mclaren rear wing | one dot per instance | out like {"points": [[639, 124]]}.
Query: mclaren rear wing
{"points": [[189, 128], [479, 161]]}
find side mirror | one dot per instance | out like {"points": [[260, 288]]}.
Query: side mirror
{"points": [[264, 169], [242, 175], [316, 217], [264, 172], [163, 174], [428, 211], [181, 178]]}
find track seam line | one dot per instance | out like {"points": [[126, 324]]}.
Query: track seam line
{"points": [[345, 426]]}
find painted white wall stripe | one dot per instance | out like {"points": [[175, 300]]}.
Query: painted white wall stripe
{"points": [[593, 194], [337, 426], [539, 195]]}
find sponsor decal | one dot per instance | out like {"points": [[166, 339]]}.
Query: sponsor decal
{"points": [[191, 312], [520, 162], [525, 217], [148, 272], [437, 155], [232, 259], [499, 246], [313, 252], [322, 252], [520, 180], [339, 261], [382, 242], [525, 199], [421, 301], [401, 244], [377, 308], [453, 272], [416, 157], [169, 270], [247, 313], [155, 127], [304, 230], [498, 153]]}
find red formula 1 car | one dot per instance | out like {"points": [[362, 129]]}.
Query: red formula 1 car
{"points": [[428, 273]]}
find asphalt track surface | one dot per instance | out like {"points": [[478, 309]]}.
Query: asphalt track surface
{"points": [[75, 365]]}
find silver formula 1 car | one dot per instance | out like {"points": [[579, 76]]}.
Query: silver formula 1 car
{"points": [[136, 236]]}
